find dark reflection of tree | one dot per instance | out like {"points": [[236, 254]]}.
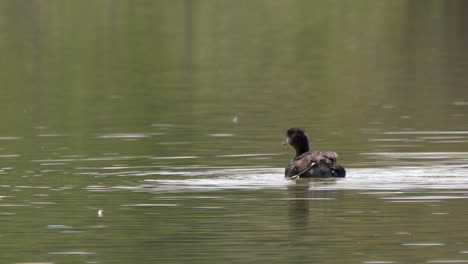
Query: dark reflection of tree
{"points": [[433, 50], [189, 37]]}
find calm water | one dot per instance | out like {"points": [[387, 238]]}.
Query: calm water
{"points": [[150, 131]]}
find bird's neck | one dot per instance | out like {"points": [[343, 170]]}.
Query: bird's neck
{"points": [[301, 148]]}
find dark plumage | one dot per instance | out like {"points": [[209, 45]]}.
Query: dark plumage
{"points": [[310, 163]]}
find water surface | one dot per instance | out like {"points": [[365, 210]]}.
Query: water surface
{"points": [[150, 132]]}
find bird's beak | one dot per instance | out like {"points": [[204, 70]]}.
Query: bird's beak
{"points": [[286, 141]]}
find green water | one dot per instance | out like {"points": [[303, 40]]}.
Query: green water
{"points": [[169, 117]]}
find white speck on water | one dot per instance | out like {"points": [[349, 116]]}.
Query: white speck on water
{"points": [[403, 233]]}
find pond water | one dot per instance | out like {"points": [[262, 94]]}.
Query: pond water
{"points": [[150, 131]]}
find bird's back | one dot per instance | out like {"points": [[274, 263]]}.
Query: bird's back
{"points": [[315, 164]]}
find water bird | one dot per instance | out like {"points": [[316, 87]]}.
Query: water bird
{"points": [[310, 163], [99, 213]]}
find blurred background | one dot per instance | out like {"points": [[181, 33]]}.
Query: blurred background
{"points": [[103, 101], [342, 70]]}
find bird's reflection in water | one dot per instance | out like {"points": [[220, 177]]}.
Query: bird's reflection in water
{"points": [[307, 203], [308, 211]]}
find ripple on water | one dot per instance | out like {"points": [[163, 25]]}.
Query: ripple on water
{"points": [[148, 205], [98, 188], [129, 135], [419, 155], [423, 244], [246, 155], [9, 156], [384, 182], [380, 262], [177, 157], [221, 135], [209, 207], [34, 263], [9, 138], [240, 178], [58, 226], [72, 253], [430, 197], [426, 133], [449, 261], [54, 135], [381, 181]]}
